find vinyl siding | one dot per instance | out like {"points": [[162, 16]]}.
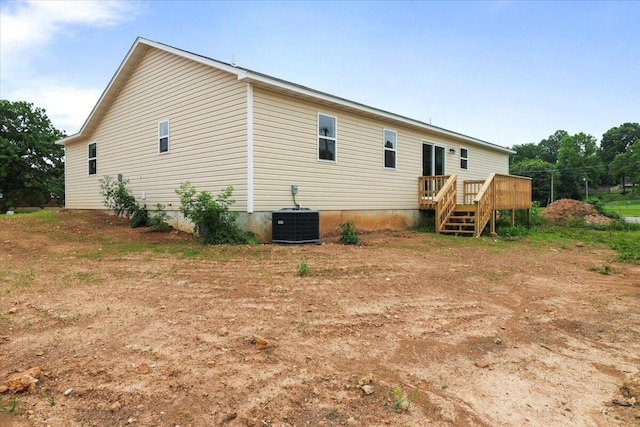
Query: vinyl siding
{"points": [[285, 153], [206, 109]]}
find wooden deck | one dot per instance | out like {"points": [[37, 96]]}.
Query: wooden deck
{"points": [[481, 200]]}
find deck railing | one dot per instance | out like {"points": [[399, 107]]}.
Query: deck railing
{"points": [[484, 205], [470, 189], [428, 189], [497, 192], [446, 201]]}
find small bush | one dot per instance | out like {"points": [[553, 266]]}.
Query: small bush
{"points": [[302, 269], [402, 403], [536, 220], [140, 217], [348, 234], [158, 220], [212, 219], [117, 197]]}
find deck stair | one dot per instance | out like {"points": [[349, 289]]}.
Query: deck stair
{"points": [[481, 200], [461, 221]]}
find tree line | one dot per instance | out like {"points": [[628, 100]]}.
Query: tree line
{"points": [[31, 163], [565, 166]]}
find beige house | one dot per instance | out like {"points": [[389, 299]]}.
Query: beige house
{"points": [[170, 116]]}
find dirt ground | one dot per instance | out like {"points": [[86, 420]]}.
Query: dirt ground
{"points": [[149, 329]]}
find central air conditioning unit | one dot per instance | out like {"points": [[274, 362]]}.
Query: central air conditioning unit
{"points": [[295, 225]]}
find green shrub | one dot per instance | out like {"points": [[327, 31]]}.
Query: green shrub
{"points": [[302, 269], [117, 197], [140, 217], [515, 231], [211, 218], [536, 220], [158, 220], [348, 234]]}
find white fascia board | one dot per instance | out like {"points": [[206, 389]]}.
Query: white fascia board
{"points": [[252, 77]]}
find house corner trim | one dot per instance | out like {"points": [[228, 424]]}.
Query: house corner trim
{"points": [[249, 148]]}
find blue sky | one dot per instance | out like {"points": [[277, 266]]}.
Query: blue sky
{"points": [[507, 72]]}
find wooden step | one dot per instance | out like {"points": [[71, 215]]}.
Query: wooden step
{"points": [[461, 222]]}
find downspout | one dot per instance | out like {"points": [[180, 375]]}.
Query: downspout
{"points": [[249, 148]]}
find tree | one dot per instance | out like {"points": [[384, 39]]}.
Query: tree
{"points": [[31, 164], [627, 164], [530, 150], [577, 160], [550, 147], [616, 141], [540, 173]]}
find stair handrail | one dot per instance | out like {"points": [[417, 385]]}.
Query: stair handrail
{"points": [[446, 201], [484, 202]]}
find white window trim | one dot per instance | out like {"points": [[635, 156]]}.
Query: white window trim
{"points": [[464, 158], [168, 136], [334, 139], [384, 148], [92, 158]]}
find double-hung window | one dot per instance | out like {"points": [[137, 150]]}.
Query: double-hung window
{"points": [[390, 148], [327, 138], [163, 137], [93, 158], [464, 158]]}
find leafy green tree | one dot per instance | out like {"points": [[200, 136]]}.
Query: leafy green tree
{"points": [[578, 159], [530, 150], [546, 150], [616, 141], [627, 165], [540, 173], [31, 164], [550, 147]]}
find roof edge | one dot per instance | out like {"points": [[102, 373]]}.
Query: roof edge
{"points": [[253, 76], [141, 44]]}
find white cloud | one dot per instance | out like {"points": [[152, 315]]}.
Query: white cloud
{"points": [[27, 28], [67, 106], [36, 22]]}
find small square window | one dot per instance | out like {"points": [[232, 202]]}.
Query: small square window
{"points": [[93, 158], [390, 149], [327, 140], [464, 158], [163, 137]]}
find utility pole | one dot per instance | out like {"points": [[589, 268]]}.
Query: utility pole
{"points": [[586, 187]]}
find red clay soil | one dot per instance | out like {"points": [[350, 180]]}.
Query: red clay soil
{"points": [[136, 329]]}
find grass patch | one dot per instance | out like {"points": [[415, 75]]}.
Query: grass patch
{"points": [[12, 406], [624, 207], [43, 216], [606, 270], [625, 242]]}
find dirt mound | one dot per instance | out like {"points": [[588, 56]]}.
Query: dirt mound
{"points": [[563, 210]]}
